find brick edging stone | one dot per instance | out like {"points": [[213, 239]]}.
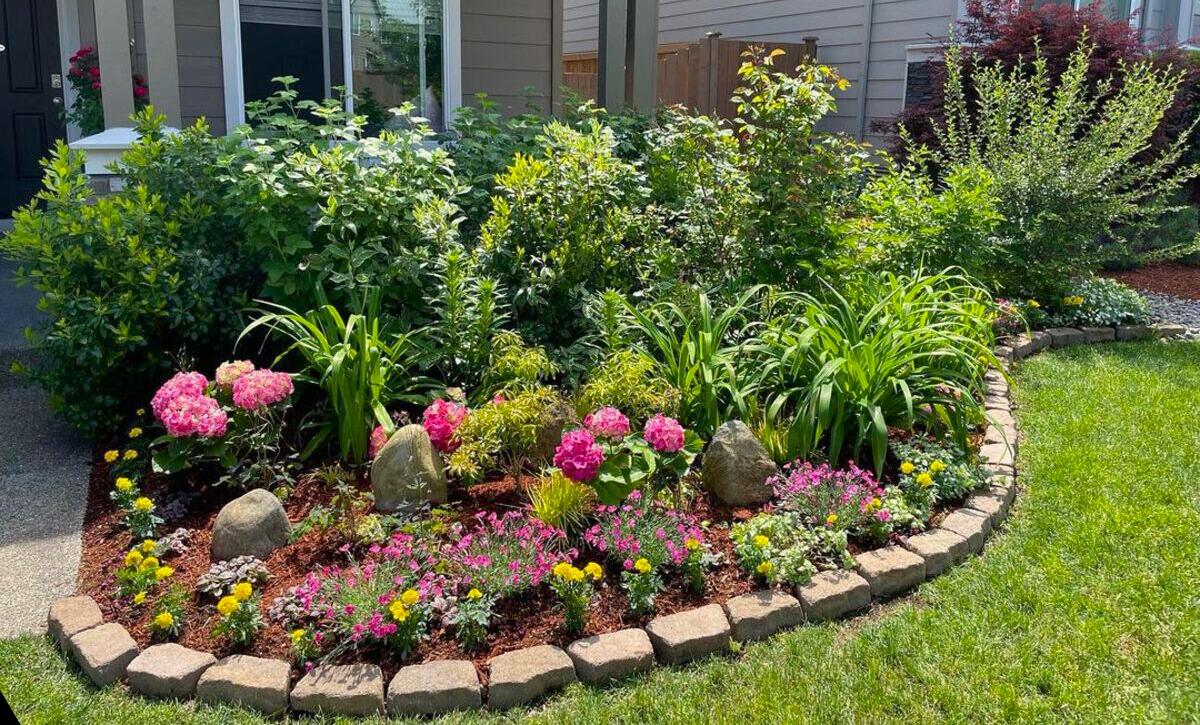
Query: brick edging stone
{"points": [[105, 651]]}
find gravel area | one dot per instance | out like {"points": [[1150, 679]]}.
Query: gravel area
{"points": [[1177, 310]]}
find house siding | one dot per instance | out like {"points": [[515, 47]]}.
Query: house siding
{"points": [[510, 48]]}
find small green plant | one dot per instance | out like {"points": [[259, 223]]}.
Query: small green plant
{"points": [[560, 502], [471, 617], [168, 618], [1098, 302], [574, 588], [500, 435], [239, 614], [782, 549], [641, 583], [933, 473], [224, 575]]}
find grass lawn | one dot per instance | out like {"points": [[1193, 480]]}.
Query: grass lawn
{"points": [[1085, 608]]}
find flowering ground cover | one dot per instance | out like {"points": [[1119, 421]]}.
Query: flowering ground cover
{"points": [[1094, 621]]}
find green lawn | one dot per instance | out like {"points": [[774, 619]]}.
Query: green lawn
{"points": [[1085, 608]]}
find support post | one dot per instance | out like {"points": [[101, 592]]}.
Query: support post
{"points": [[116, 65], [162, 58], [641, 54], [610, 58]]}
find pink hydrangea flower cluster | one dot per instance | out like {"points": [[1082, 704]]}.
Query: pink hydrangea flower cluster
{"points": [[632, 530], [229, 372], [441, 419], [181, 385], [607, 422], [378, 438], [194, 415], [664, 434], [258, 389], [505, 554], [578, 455], [827, 496]]}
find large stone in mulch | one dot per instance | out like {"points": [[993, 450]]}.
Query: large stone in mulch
{"points": [[559, 418], [1134, 332], [970, 524], [1065, 336], [340, 690], [689, 635], [70, 616], [760, 614], [612, 656], [996, 454], [434, 688], [253, 682], [1093, 335], [831, 594], [407, 470], [736, 466], [251, 525], [939, 548], [168, 670], [526, 674], [890, 570], [104, 652], [989, 503]]}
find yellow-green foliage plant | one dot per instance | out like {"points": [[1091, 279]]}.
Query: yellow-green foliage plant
{"points": [[628, 381]]}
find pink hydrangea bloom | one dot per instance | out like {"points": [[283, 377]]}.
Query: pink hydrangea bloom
{"points": [[378, 438], [664, 434], [608, 422], [260, 388], [441, 419], [578, 456], [181, 385], [194, 415], [228, 372]]}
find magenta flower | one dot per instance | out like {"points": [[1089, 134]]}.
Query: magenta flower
{"points": [[179, 386], [258, 389], [607, 422], [194, 415], [441, 419], [578, 456], [664, 434], [378, 438], [228, 372]]}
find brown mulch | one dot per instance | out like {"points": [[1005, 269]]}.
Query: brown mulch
{"points": [[1172, 278]]}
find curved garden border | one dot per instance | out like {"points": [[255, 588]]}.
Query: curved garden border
{"points": [[108, 654]]}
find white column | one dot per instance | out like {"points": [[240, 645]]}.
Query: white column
{"points": [[162, 58], [116, 66]]}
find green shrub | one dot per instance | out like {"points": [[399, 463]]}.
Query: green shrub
{"points": [[1098, 302], [130, 279], [628, 381], [515, 366], [499, 436]]}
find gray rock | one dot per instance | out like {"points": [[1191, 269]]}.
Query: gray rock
{"points": [[559, 418], [340, 690], [1134, 332], [70, 616], [104, 652], [1093, 335], [760, 614], [168, 670], [612, 656], [890, 570], [996, 454], [251, 525], [941, 549], [971, 525], [434, 688], [831, 594], [1169, 331], [685, 636], [991, 504], [407, 470], [1022, 346], [1065, 336], [1005, 488], [1041, 340], [253, 682], [736, 466], [526, 674]]}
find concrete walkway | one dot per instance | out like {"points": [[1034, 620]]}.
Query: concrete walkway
{"points": [[43, 480]]}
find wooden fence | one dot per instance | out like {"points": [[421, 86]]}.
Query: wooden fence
{"points": [[700, 75]]}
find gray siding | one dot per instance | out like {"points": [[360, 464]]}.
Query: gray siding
{"points": [[509, 47], [201, 83]]}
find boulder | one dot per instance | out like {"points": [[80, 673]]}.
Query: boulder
{"points": [[736, 466], [559, 418], [407, 471], [251, 525]]}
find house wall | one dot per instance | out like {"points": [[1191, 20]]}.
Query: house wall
{"points": [[509, 47]]}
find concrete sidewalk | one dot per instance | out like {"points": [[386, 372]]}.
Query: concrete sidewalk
{"points": [[43, 480]]}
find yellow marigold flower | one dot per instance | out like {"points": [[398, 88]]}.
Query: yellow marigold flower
{"points": [[765, 568], [111, 456], [907, 467], [297, 635], [228, 605], [924, 480], [594, 571], [164, 620], [150, 562], [148, 546], [761, 541], [691, 544], [163, 572], [831, 519], [139, 597], [135, 432], [875, 503], [560, 569], [133, 558], [474, 594], [143, 504], [124, 485], [130, 455], [642, 566], [141, 411], [242, 591], [398, 610], [575, 574], [1033, 303], [410, 597], [937, 467]]}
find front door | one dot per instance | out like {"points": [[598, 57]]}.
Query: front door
{"points": [[30, 96]]}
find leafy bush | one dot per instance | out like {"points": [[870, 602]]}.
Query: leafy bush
{"points": [[131, 279], [935, 473], [781, 549], [1099, 302], [500, 435], [628, 381], [468, 311]]}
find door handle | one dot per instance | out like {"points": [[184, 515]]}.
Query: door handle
{"points": [[2, 48], [57, 100]]}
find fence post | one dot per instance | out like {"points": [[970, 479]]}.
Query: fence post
{"points": [[810, 48], [610, 58], [709, 80]]}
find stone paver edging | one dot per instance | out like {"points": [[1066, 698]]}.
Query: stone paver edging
{"points": [[107, 654]]}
